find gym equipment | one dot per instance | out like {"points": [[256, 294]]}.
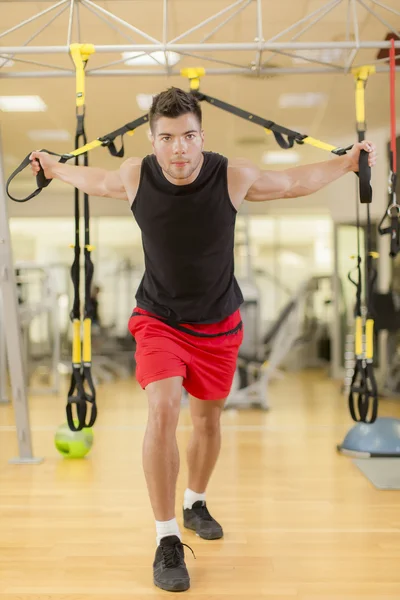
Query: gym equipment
{"points": [[380, 439], [363, 394], [82, 393], [259, 359], [39, 319], [393, 209], [73, 443], [383, 473], [10, 317], [284, 137]]}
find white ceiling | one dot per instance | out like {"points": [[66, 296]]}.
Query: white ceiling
{"points": [[111, 101]]}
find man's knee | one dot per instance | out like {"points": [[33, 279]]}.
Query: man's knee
{"points": [[207, 425], [164, 399]]}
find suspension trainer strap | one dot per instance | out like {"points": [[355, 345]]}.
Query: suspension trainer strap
{"points": [[106, 140], [363, 394], [82, 393], [393, 208]]}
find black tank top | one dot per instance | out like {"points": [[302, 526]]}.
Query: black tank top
{"points": [[188, 242]]}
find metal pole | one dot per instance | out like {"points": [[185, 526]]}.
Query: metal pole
{"points": [[32, 18], [354, 52], [216, 60], [3, 360], [383, 21], [70, 22], [154, 73], [100, 16], [332, 66], [78, 23], [13, 333], [218, 27], [395, 12], [125, 35], [319, 17], [303, 20], [206, 21], [32, 37], [165, 34], [259, 37], [121, 21], [222, 47], [34, 62], [111, 25]]}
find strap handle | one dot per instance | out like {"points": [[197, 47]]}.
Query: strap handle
{"points": [[41, 180]]}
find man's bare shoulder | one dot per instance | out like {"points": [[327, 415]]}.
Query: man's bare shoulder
{"points": [[131, 164], [243, 168], [130, 176]]}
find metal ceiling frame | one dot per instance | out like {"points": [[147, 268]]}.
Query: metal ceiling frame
{"points": [[292, 48]]}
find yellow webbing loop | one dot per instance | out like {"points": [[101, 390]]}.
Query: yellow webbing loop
{"points": [[86, 148], [318, 144], [76, 343], [359, 340], [361, 75], [193, 74], [369, 339], [87, 341], [80, 55]]}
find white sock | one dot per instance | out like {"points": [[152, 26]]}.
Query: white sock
{"points": [[165, 528], [190, 497]]}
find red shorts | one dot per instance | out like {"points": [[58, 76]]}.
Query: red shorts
{"points": [[207, 364]]}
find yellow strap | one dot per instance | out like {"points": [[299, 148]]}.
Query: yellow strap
{"points": [[358, 340], [318, 144], [76, 342], [369, 339], [87, 342], [193, 74], [80, 55], [361, 75], [311, 142], [86, 148]]}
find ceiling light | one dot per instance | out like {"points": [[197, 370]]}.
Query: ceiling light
{"points": [[144, 101], [22, 104], [150, 60], [307, 100], [60, 135], [286, 157]]}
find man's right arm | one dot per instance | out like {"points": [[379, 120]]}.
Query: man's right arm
{"points": [[120, 184]]}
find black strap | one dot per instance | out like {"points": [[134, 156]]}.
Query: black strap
{"points": [[284, 137], [106, 140], [199, 334]]}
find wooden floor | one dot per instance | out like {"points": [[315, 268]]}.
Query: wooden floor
{"points": [[301, 522]]}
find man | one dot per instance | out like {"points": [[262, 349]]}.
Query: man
{"points": [[187, 322]]}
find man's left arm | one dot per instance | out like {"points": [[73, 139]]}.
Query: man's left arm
{"points": [[307, 179]]}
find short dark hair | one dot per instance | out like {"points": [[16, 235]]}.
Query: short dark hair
{"points": [[173, 103]]}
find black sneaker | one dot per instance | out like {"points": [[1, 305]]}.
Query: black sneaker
{"points": [[169, 569], [199, 520]]}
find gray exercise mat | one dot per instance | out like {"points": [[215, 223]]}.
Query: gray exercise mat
{"points": [[383, 473]]}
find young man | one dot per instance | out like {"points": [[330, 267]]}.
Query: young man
{"points": [[187, 322]]}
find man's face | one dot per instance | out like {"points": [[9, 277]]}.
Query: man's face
{"points": [[178, 145]]}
